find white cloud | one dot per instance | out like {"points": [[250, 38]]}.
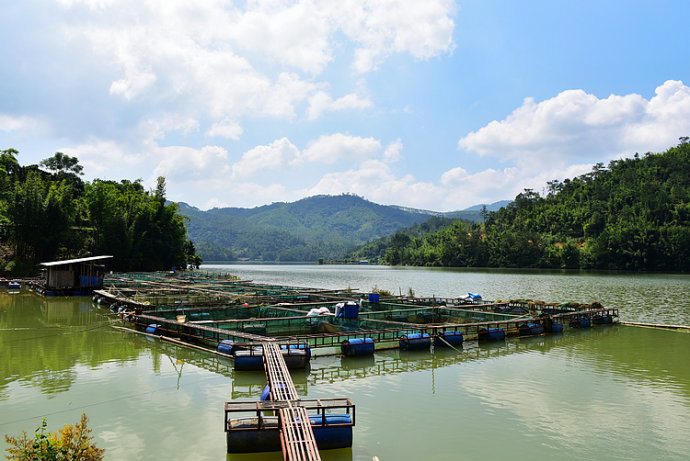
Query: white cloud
{"points": [[105, 159], [207, 54], [322, 102], [578, 125], [374, 180], [393, 151], [381, 28], [237, 193], [262, 158], [182, 163], [9, 123], [334, 147], [156, 129], [225, 128]]}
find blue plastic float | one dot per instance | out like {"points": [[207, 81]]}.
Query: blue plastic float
{"points": [[443, 339], [491, 334], [415, 341], [531, 329], [357, 347]]}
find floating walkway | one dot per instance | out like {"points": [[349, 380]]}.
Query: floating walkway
{"points": [[295, 424]]}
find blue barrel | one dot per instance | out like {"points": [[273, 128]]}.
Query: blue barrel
{"points": [[226, 346], [245, 436], [357, 347], [454, 338], [556, 327], [373, 297], [266, 393], [251, 360], [351, 310], [415, 341], [296, 347], [531, 329], [491, 334], [152, 328]]}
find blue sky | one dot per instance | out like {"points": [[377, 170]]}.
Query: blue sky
{"points": [[436, 104]]}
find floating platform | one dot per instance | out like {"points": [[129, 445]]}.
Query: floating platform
{"points": [[331, 421], [224, 314]]}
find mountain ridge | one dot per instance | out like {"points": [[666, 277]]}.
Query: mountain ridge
{"points": [[321, 226]]}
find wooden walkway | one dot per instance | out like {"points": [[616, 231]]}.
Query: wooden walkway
{"points": [[296, 434]]}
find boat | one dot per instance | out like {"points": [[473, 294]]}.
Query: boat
{"points": [[14, 285]]}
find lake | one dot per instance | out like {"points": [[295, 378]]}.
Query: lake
{"points": [[615, 392]]}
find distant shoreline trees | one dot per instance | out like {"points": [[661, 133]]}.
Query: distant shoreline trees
{"points": [[49, 215], [633, 216]]}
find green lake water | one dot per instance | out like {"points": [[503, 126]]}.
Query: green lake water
{"points": [[613, 392]]}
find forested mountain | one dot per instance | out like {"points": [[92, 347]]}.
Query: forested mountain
{"points": [[632, 215], [53, 214], [312, 228]]}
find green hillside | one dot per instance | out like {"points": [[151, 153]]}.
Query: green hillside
{"points": [[316, 227], [633, 215]]}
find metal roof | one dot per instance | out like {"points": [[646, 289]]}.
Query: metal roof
{"points": [[73, 261]]}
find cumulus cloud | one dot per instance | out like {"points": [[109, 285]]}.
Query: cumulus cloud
{"points": [[181, 162], [208, 54], [9, 123], [374, 180], [322, 102], [393, 151], [334, 147], [575, 124], [382, 28], [262, 158], [105, 158], [225, 128]]}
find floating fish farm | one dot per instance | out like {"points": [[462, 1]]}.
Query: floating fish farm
{"points": [[278, 328]]}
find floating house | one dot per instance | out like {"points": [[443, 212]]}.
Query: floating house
{"points": [[72, 276]]}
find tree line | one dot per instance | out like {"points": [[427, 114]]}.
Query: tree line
{"points": [[47, 213], [632, 215]]}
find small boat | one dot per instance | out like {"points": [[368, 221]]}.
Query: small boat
{"points": [[602, 319], [531, 329], [491, 334], [14, 285]]}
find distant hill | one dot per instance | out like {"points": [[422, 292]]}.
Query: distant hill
{"points": [[316, 227], [633, 215], [492, 207]]}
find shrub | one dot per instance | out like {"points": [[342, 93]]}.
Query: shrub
{"points": [[72, 442]]}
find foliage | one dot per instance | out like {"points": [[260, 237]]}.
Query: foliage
{"points": [[47, 216], [72, 442], [316, 227], [633, 215]]}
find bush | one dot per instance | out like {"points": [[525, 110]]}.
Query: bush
{"points": [[72, 442]]}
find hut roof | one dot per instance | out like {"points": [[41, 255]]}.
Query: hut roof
{"points": [[73, 261]]}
